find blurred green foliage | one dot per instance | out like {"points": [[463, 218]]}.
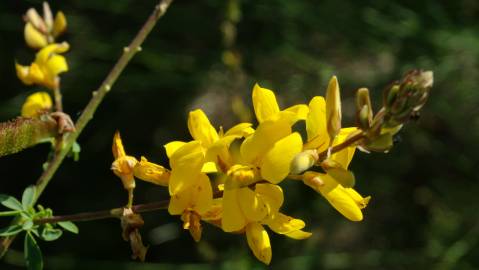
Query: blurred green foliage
{"points": [[425, 191]]}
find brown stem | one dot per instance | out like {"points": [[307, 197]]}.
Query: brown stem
{"points": [[57, 94], [341, 146], [95, 101], [112, 213]]}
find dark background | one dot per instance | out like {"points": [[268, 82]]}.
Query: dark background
{"points": [[423, 212]]}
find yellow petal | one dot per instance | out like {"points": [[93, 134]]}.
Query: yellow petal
{"points": [[344, 156], [36, 103], [151, 172], [298, 235], [340, 199], [267, 133], [56, 65], [34, 38], [252, 205], [333, 108], [316, 125], [201, 129], [282, 224], [215, 212], [233, 218], [60, 24], [264, 103], [44, 54], [301, 111], [240, 130], [272, 195], [275, 165], [171, 147], [186, 164], [361, 201], [219, 149], [117, 147], [258, 241], [37, 75], [179, 202], [202, 194], [209, 167], [23, 73]]}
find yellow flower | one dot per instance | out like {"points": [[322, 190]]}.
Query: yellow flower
{"points": [[346, 200], [123, 165], [273, 145], [128, 167], [46, 68], [36, 104], [249, 209], [190, 188], [214, 144]]}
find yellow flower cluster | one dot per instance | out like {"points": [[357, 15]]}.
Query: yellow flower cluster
{"points": [[231, 179], [40, 33]]}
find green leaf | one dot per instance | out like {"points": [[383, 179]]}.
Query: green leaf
{"points": [[33, 254], [9, 213], [50, 234], [10, 202], [69, 226], [27, 225], [28, 197], [11, 230]]}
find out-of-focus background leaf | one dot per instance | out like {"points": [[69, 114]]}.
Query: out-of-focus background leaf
{"points": [[423, 214]]}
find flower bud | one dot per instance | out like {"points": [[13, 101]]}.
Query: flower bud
{"points": [[36, 20], [303, 161], [34, 38], [364, 112], [60, 24], [47, 16], [333, 108]]}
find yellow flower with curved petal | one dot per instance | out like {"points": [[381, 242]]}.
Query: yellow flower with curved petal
{"points": [[213, 143], [189, 187], [46, 68], [123, 165], [244, 205], [36, 104], [346, 200], [273, 145], [244, 208]]}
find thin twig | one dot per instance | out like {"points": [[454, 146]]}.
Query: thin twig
{"points": [[95, 101], [350, 141], [112, 213]]}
